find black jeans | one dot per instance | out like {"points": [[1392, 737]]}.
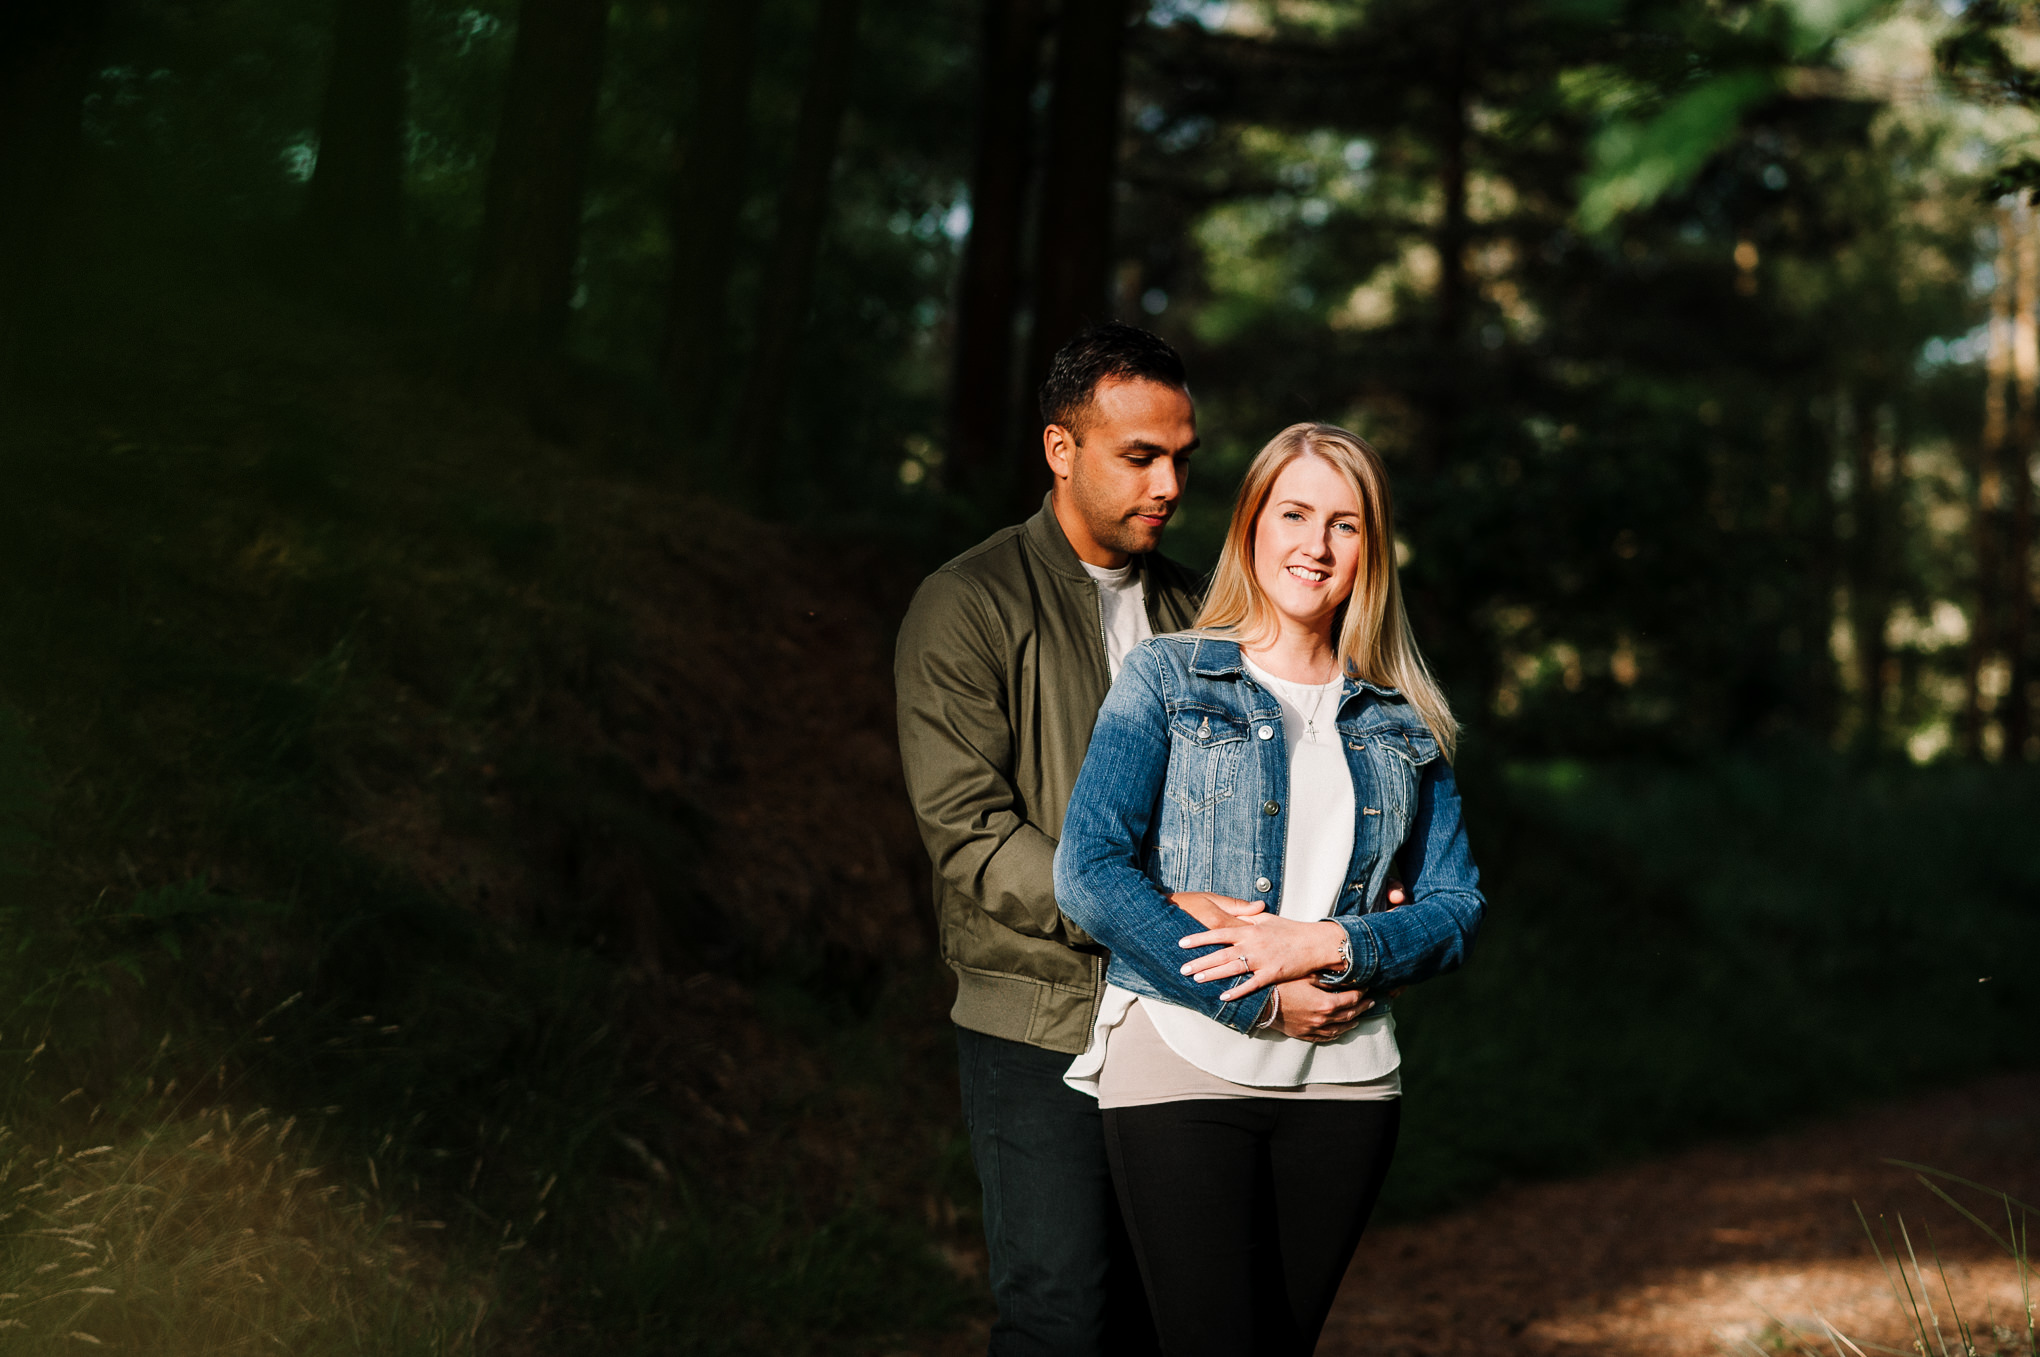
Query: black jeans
{"points": [[1063, 1272], [1245, 1211]]}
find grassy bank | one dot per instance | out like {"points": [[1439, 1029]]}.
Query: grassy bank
{"points": [[408, 757]]}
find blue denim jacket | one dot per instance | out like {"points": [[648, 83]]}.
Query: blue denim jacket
{"points": [[1185, 788]]}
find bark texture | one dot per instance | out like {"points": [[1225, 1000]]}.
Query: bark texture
{"points": [[988, 293], [355, 202], [803, 209], [46, 51], [2018, 470], [1074, 252], [531, 222], [708, 198]]}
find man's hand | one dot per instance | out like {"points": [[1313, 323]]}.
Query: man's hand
{"points": [[1215, 911], [1318, 1015]]}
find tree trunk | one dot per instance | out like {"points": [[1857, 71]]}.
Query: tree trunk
{"points": [[1983, 514], [1073, 250], [1871, 471], [708, 198], [1452, 236], [46, 51], [355, 204], [981, 394], [2018, 463], [531, 218], [803, 209]]}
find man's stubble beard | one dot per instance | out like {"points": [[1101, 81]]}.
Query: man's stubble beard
{"points": [[1109, 522]]}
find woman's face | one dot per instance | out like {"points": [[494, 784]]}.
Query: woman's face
{"points": [[1308, 542]]}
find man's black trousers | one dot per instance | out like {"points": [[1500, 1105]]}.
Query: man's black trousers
{"points": [[1062, 1270]]}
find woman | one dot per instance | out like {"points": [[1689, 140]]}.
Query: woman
{"points": [[1250, 1123]]}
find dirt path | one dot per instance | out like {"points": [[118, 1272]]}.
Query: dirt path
{"points": [[1686, 1255]]}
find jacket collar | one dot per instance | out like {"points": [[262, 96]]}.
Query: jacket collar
{"points": [[1214, 657], [1052, 545]]}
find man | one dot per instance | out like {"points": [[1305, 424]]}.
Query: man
{"points": [[1004, 658]]}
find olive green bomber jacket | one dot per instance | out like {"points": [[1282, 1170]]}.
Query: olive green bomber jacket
{"points": [[1000, 671]]}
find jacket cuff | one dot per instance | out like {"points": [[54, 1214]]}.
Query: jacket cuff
{"points": [[1366, 955], [1244, 1013]]}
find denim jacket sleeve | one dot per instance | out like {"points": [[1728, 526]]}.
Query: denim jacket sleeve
{"points": [[1431, 933], [1098, 877]]}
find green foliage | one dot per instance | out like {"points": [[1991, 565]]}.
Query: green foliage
{"points": [[1636, 163]]}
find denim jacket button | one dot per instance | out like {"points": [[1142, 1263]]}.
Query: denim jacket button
{"points": [[1271, 808], [1263, 884], [1266, 733]]}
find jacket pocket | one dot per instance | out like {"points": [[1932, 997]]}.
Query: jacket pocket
{"points": [[1400, 756], [1206, 749]]}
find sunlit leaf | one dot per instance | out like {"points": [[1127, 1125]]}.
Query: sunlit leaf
{"points": [[1637, 162]]}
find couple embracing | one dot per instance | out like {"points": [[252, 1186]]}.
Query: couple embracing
{"points": [[1186, 848]]}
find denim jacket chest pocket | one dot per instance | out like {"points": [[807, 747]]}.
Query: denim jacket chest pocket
{"points": [[1396, 756], [1207, 745], [1197, 835]]}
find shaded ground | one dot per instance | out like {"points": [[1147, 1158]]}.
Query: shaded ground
{"points": [[1693, 1253]]}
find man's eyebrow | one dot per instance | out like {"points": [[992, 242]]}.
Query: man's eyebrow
{"points": [[1157, 450]]}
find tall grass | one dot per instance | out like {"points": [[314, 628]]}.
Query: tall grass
{"points": [[208, 1234], [1913, 1292]]}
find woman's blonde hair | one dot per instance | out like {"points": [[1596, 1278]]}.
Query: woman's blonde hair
{"points": [[1373, 632]]}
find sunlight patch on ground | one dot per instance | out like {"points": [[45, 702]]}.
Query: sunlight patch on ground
{"points": [[1701, 1310]]}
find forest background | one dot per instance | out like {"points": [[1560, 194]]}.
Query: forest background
{"points": [[463, 465]]}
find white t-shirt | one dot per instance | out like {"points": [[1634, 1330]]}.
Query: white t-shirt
{"points": [[1122, 612], [1198, 1058]]}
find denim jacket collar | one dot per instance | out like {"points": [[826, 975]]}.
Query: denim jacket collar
{"points": [[1213, 657]]}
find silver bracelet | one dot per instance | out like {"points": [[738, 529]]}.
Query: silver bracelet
{"points": [[1345, 969], [1274, 1011]]}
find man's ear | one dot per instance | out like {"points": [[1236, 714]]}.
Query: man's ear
{"points": [[1059, 447]]}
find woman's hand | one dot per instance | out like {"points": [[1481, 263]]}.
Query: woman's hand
{"points": [[1267, 949], [1215, 911]]}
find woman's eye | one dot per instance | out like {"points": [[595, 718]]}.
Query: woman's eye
{"points": [[1292, 515], [1349, 528]]}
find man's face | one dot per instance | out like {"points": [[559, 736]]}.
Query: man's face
{"points": [[1117, 487]]}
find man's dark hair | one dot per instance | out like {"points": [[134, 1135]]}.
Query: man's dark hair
{"points": [[1101, 353]]}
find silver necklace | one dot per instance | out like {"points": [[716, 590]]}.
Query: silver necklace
{"points": [[1310, 722]]}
